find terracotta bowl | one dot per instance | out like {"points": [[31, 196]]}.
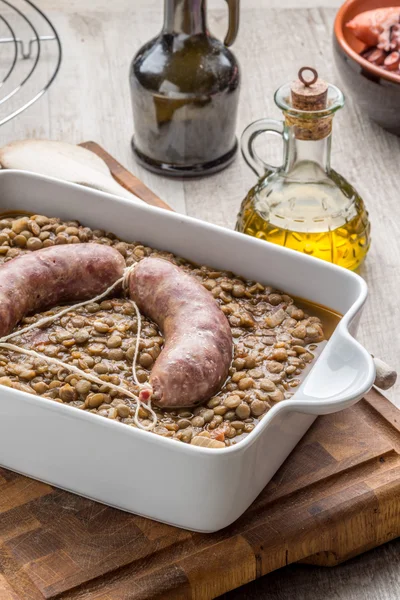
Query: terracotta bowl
{"points": [[376, 91]]}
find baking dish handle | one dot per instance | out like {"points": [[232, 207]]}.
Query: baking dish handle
{"points": [[341, 376]]}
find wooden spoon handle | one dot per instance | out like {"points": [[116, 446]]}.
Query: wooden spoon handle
{"points": [[385, 375], [125, 178]]}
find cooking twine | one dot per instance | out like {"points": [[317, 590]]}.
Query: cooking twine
{"points": [[89, 376]]}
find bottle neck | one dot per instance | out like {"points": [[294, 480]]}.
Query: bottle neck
{"points": [[307, 153], [185, 16]]}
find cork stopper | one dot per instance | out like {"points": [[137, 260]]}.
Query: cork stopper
{"points": [[309, 94]]}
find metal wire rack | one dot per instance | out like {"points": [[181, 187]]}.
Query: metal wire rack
{"points": [[22, 38]]}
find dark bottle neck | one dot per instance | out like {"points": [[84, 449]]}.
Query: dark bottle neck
{"points": [[185, 16]]}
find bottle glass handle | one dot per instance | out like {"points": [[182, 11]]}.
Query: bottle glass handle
{"points": [[257, 164], [233, 27]]}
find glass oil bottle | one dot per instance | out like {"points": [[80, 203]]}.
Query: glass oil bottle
{"points": [[304, 204], [185, 90]]}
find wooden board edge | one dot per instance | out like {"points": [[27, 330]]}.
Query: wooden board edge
{"points": [[236, 561], [382, 405]]}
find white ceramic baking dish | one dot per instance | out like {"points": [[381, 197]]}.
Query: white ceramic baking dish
{"points": [[187, 486]]}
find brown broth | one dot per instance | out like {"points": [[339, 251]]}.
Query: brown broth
{"points": [[329, 317]]}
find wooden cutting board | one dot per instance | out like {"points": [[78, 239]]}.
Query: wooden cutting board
{"points": [[336, 496]]}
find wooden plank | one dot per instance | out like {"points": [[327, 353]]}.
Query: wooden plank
{"points": [[6, 591]]}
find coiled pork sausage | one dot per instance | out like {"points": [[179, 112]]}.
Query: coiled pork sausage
{"points": [[34, 281], [195, 360]]}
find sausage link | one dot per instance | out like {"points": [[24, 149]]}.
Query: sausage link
{"points": [[195, 360], [32, 282]]}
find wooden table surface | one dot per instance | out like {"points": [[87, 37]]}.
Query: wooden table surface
{"points": [[90, 100]]}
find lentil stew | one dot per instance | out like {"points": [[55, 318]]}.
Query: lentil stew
{"points": [[276, 341]]}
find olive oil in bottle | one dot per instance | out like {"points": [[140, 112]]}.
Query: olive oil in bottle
{"points": [[305, 205]]}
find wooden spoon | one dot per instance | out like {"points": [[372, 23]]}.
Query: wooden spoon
{"points": [[127, 179], [386, 376], [62, 161]]}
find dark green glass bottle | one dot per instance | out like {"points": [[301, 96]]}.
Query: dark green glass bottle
{"points": [[185, 91]]}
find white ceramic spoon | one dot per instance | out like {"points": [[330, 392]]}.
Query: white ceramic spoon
{"points": [[62, 161]]}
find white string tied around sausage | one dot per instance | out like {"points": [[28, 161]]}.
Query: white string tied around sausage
{"points": [[118, 388]]}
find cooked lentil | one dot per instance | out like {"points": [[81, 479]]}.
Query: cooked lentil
{"points": [[275, 343]]}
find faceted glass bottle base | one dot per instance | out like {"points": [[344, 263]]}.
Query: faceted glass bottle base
{"points": [[346, 246], [195, 170]]}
